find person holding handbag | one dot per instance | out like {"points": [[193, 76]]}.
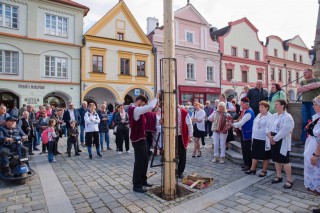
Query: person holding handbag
{"points": [[122, 121], [221, 123]]}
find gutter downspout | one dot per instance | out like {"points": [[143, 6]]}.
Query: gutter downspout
{"points": [[83, 44], [221, 54], [154, 51]]}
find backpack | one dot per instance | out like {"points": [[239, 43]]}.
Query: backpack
{"points": [[45, 136]]}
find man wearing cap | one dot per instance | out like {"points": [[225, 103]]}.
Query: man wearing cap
{"points": [[137, 122], [245, 124], [5, 137]]}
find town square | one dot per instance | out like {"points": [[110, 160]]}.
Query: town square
{"points": [[159, 106]]}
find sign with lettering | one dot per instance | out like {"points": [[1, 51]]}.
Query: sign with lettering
{"points": [[27, 86]]}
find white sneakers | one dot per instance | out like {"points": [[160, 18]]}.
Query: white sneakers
{"points": [[129, 151], [119, 153]]}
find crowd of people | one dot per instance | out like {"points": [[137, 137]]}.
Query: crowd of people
{"points": [[259, 119]]}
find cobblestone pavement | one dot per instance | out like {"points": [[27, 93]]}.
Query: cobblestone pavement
{"points": [[104, 185]]}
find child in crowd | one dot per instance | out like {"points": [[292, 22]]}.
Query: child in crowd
{"points": [[72, 139], [51, 139]]}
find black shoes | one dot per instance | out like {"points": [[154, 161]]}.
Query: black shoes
{"points": [[263, 174], [79, 150], [90, 156], [316, 210], [69, 155], [109, 148], [180, 176], [36, 149], [31, 153], [246, 168], [139, 190], [251, 172], [77, 154], [99, 155], [288, 185], [276, 180], [243, 166], [147, 184]]}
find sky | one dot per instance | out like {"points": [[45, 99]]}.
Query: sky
{"points": [[284, 18]]}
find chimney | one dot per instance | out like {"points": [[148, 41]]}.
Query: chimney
{"points": [[152, 24]]}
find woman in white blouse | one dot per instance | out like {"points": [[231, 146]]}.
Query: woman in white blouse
{"points": [[312, 152], [279, 128], [198, 119], [92, 121], [259, 140]]}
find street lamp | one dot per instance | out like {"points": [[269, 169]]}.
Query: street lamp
{"points": [[234, 81]]}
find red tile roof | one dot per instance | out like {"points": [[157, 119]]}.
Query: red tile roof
{"points": [[74, 4]]}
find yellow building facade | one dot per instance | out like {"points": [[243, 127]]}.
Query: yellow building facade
{"points": [[117, 59]]}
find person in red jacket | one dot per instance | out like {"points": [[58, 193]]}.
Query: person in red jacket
{"points": [[185, 134]]}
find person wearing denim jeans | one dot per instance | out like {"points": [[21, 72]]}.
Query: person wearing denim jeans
{"points": [[103, 127], [310, 88], [82, 111]]}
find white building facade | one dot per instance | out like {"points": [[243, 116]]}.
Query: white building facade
{"points": [[243, 59], [40, 43], [286, 61]]}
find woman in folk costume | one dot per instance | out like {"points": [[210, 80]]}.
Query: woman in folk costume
{"points": [[158, 137], [312, 152], [185, 133], [279, 128], [221, 122]]}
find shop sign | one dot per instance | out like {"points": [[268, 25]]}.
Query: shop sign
{"points": [[32, 100], [27, 86], [136, 92]]}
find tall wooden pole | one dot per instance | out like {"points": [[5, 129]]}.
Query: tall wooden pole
{"points": [[317, 46], [169, 102]]}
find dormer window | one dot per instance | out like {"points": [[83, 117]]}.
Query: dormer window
{"points": [[120, 36]]}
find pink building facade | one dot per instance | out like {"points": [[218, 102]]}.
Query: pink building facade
{"points": [[197, 55]]}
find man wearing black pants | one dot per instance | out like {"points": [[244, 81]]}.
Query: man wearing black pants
{"points": [[137, 123], [246, 123], [185, 134]]}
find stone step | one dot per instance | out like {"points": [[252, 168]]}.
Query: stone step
{"points": [[235, 157], [236, 146]]}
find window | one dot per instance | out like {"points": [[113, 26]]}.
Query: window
{"points": [[9, 62], [300, 59], [8, 16], [280, 75], [275, 53], [297, 78], [233, 51], [294, 57], [141, 68], [120, 36], [97, 63], [260, 76], [289, 76], [56, 25], [190, 71], [189, 37], [229, 74], [246, 53], [257, 56], [56, 67], [272, 74], [125, 66], [244, 77], [209, 73]]}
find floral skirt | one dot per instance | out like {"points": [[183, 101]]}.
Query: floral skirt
{"points": [[311, 173]]}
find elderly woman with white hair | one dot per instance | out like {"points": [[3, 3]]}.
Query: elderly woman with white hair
{"points": [[312, 151], [221, 122]]}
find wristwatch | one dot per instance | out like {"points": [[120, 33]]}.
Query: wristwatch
{"points": [[315, 155]]}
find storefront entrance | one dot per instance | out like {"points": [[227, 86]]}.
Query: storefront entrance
{"points": [[9, 99], [197, 94], [55, 101]]}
